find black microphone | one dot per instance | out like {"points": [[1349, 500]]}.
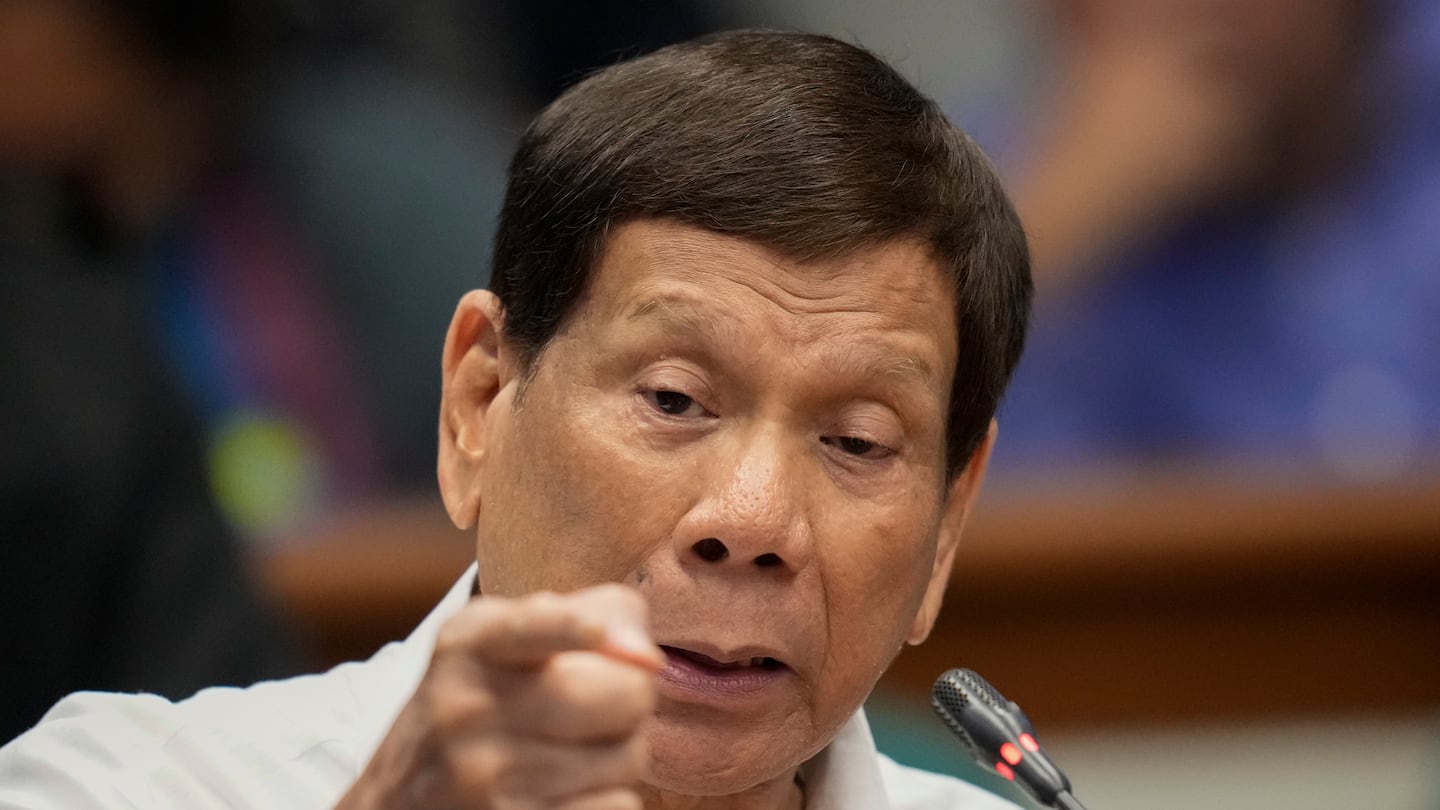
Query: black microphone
{"points": [[999, 736]]}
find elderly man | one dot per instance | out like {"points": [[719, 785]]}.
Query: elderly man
{"points": [[717, 426]]}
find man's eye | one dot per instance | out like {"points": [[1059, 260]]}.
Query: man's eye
{"points": [[856, 446], [674, 403]]}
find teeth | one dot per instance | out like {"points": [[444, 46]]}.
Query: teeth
{"points": [[757, 662]]}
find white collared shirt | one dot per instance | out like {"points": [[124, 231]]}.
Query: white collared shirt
{"points": [[300, 743]]}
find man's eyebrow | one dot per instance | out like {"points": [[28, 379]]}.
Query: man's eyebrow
{"points": [[686, 319], [658, 305], [901, 367], [908, 366], [681, 312], [646, 307], [853, 359]]}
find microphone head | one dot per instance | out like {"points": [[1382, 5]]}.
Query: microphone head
{"points": [[951, 697], [996, 733]]}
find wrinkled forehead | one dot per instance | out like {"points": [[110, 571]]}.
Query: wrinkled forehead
{"points": [[660, 266]]}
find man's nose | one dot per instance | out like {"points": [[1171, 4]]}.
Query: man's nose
{"points": [[751, 513]]}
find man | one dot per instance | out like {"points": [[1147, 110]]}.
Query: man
{"points": [[717, 426]]}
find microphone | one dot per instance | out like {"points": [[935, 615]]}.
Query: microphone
{"points": [[998, 736]]}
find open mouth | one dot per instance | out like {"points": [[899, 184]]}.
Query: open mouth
{"points": [[691, 676], [758, 662]]}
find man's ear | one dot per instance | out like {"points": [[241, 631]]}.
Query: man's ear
{"points": [[957, 507], [474, 368]]}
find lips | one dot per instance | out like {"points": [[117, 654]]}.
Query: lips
{"points": [[760, 661], [720, 677]]}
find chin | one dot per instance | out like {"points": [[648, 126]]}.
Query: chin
{"points": [[695, 760]]}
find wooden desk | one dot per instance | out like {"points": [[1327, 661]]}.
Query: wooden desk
{"points": [[1164, 597], [1151, 597]]}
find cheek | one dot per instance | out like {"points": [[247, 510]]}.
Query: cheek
{"points": [[875, 581], [572, 505], [873, 589], [887, 548]]}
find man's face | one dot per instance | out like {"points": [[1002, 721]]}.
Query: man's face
{"points": [[757, 447]]}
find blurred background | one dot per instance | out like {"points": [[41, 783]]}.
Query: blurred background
{"points": [[1207, 561]]}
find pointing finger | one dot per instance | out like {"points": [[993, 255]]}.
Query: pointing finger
{"points": [[526, 631]]}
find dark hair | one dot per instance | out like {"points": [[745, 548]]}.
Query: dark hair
{"points": [[804, 144]]}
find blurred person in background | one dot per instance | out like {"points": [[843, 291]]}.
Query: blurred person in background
{"points": [[118, 571], [1231, 206]]}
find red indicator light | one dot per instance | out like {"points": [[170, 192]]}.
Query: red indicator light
{"points": [[1028, 743], [1010, 753], [1004, 770]]}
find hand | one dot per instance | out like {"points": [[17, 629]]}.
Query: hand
{"points": [[537, 701]]}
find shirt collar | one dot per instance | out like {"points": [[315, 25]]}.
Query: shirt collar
{"points": [[846, 774], [386, 682]]}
